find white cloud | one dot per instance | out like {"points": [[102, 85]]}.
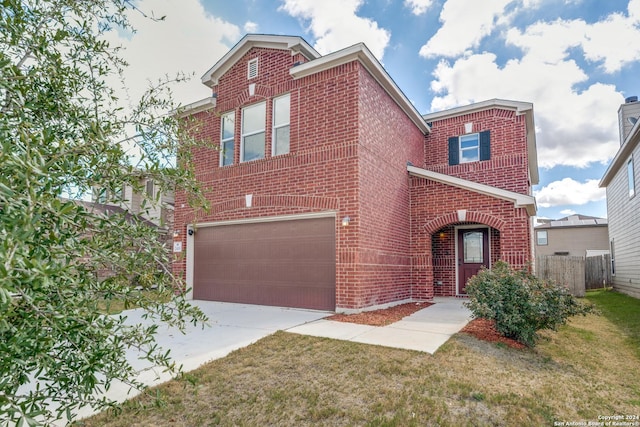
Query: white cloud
{"points": [[569, 192], [189, 40], [418, 7], [464, 25], [568, 212], [615, 41], [250, 27], [335, 25], [576, 121]]}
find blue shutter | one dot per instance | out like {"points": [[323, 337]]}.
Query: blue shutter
{"points": [[454, 151], [485, 145]]}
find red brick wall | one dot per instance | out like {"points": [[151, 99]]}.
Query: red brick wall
{"points": [[319, 174], [434, 206], [388, 139], [508, 166]]}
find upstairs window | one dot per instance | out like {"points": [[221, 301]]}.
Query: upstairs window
{"points": [[253, 131], [469, 148], [281, 114], [227, 138], [542, 238], [631, 178], [252, 69]]}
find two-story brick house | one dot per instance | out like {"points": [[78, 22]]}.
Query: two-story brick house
{"points": [[330, 191]]}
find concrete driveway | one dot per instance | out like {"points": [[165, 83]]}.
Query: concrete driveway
{"points": [[230, 327]]}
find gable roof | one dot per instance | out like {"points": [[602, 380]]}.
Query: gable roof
{"points": [[621, 157], [317, 63], [574, 221], [293, 43], [519, 107], [518, 200], [360, 52]]}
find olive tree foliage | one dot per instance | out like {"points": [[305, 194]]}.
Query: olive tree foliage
{"points": [[60, 122]]}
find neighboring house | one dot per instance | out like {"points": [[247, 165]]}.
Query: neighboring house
{"points": [[575, 235], [622, 181], [160, 213], [330, 191]]}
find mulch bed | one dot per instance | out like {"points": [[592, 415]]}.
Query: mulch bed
{"points": [[484, 329], [382, 317]]}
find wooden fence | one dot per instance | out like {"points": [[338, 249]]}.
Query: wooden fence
{"points": [[598, 272], [576, 273]]}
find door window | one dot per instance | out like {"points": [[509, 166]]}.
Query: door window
{"points": [[473, 247]]}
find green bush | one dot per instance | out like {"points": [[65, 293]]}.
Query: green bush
{"points": [[520, 303]]}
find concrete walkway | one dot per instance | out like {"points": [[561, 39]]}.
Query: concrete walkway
{"points": [[425, 330]]}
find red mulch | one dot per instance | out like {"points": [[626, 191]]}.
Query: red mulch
{"points": [[484, 329], [382, 317]]}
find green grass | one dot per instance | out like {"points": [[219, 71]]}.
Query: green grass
{"points": [[585, 369], [621, 310]]}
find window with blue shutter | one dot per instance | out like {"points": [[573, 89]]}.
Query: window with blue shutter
{"points": [[485, 145], [454, 150], [469, 148]]}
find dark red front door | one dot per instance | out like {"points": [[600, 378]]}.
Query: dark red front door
{"points": [[473, 254]]}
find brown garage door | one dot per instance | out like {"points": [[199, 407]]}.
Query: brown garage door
{"points": [[282, 263]]}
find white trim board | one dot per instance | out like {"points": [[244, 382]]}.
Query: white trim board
{"points": [[518, 200]]}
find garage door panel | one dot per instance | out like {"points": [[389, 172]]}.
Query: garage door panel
{"points": [[284, 263]]}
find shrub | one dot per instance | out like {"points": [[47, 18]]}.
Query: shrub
{"points": [[520, 303]]}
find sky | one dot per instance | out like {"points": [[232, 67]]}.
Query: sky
{"points": [[575, 60]]}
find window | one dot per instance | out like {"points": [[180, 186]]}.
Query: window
{"points": [[253, 124], [469, 148], [631, 178], [613, 260], [473, 247], [150, 189], [541, 237], [281, 113], [227, 138], [252, 69]]}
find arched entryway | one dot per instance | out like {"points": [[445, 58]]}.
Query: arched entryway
{"points": [[459, 251]]}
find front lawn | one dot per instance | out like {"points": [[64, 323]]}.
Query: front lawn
{"points": [[585, 370]]}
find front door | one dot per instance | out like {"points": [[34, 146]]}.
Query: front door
{"points": [[473, 254]]}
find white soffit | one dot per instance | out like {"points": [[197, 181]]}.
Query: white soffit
{"points": [[622, 156], [293, 43], [195, 107]]}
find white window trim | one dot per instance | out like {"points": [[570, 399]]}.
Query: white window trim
{"points": [[244, 135], [222, 140], [274, 127], [460, 150], [631, 178], [252, 64], [546, 238]]}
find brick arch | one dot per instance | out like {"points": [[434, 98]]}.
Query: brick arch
{"points": [[261, 92], [472, 216]]}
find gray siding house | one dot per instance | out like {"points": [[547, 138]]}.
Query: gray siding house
{"points": [[575, 235], [622, 181]]}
